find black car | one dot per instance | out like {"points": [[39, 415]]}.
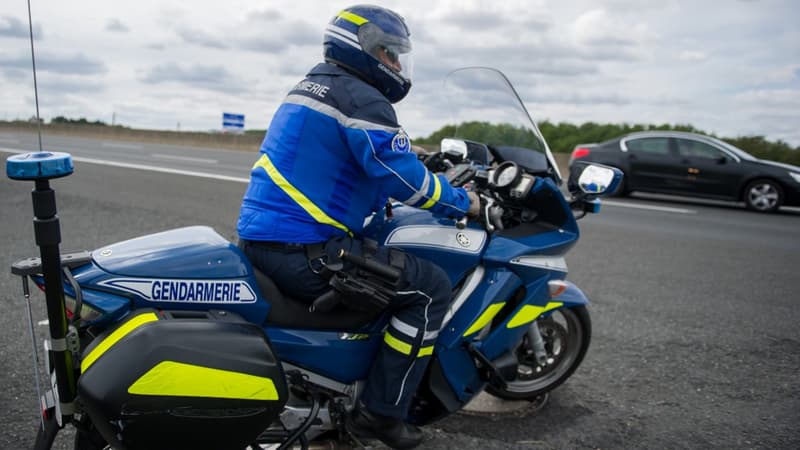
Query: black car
{"points": [[669, 162]]}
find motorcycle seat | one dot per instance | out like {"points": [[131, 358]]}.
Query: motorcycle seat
{"points": [[287, 312]]}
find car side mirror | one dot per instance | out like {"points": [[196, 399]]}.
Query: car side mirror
{"points": [[593, 179], [722, 160]]}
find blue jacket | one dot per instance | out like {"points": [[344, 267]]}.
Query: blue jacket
{"points": [[333, 154]]}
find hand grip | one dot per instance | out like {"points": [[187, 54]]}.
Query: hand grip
{"points": [[325, 302], [462, 223]]}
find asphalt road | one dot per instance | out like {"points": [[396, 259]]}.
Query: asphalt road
{"points": [[695, 336]]}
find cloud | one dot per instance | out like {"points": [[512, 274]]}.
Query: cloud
{"points": [[597, 28], [15, 28], [214, 78], [692, 56], [201, 38], [274, 34], [77, 64], [16, 74], [262, 31], [116, 26]]}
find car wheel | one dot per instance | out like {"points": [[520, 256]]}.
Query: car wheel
{"points": [[763, 196]]}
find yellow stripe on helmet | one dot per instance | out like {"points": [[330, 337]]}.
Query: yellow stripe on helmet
{"points": [[350, 17], [308, 206], [171, 378], [115, 336]]}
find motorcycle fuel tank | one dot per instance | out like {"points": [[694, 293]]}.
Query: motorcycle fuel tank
{"points": [[434, 238]]}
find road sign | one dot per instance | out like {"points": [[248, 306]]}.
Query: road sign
{"points": [[232, 123]]}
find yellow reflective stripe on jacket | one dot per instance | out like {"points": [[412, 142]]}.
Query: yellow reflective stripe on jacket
{"points": [[529, 313], [485, 318], [115, 336], [437, 192], [350, 17], [308, 206], [405, 348], [171, 378]]}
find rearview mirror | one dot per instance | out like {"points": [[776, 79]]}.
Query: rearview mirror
{"points": [[454, 147], [593, 179], [461, 150]]}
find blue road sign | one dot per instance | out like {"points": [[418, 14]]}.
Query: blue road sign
{"points": [[232, 123]]}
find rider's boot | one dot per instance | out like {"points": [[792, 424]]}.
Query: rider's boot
{"points": [[391, 431]]}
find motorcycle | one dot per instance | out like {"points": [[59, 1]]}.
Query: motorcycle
{"points": [[174, 340]]}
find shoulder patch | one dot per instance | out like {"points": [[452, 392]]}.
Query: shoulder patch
{"points": [[401, 142]]}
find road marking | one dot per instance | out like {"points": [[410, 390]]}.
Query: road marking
{"points": [[9, 140], [184, 158], [649, 207], [120, 145], [146, 167]]}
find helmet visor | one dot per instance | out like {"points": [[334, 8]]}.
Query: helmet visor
{"points": [[401, 63], [393, 51]]}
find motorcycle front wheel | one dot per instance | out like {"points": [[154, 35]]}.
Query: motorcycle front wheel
{"points": [[566, 334]]}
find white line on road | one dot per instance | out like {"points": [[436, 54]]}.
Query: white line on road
{"points": [[246, 180], [184, 158], [119, 145], [650, 207], [9, 140], [146, 167]]}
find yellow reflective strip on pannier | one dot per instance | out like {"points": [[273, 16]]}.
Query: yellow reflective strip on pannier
{"points": [[115, 336], [350, 17], [437, 192], [425, 351], [171, 378], [485, 318], [397, 344], [529, 313], [308, 206]]}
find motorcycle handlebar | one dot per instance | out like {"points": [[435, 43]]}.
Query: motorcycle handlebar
{"points": [[490, 215]]}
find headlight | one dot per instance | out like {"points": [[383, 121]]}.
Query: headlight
{"points": [[796, 176]]}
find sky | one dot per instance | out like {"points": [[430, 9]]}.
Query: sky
{"points": [[728, 67]]}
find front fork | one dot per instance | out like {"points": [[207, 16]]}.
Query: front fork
{"points": [[537, 343]]}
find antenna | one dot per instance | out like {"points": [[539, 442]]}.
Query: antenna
{"points": [[35, 86]]}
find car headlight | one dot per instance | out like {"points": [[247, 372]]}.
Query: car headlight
{"points": [[795, 175]]}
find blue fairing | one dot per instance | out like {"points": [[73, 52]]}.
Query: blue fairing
{"points": [[342, 357], [191, 268], [197, 251]]}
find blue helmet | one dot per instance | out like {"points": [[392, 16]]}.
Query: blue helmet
{"points": [[372, 42]]}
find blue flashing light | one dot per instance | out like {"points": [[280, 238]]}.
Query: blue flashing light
{"points": [[594, 206], [39, 165]]}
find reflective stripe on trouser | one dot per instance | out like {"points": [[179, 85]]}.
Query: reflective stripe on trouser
{"points": [[408, 341]]}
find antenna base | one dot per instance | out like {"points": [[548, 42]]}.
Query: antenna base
{"points": [[39, 166]]}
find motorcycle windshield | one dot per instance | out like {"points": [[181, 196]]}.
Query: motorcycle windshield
{"points": [[486, 108]]}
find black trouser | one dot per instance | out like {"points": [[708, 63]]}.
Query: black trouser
{"points": [[418, 309]]}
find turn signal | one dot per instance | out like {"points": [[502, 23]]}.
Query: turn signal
{"points": [[557, 287]]}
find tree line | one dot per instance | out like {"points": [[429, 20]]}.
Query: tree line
{"points": [[563, 137]]}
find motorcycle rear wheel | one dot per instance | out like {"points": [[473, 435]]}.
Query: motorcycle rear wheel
{"points": [[566, 333]]}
